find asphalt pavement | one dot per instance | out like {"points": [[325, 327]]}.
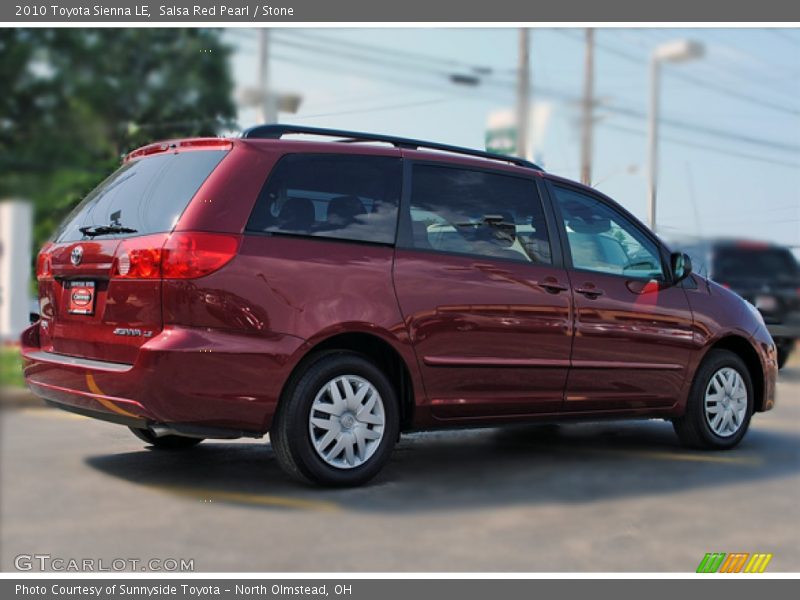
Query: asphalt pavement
{"points": [[611, 496]]}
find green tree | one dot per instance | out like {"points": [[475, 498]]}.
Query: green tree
{"points": [[75, 100]]}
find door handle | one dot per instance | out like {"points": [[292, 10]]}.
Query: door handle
{"points": [[551, 285], [589, 291]]}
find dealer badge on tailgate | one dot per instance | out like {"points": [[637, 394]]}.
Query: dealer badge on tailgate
{"points": [[81, 297]]}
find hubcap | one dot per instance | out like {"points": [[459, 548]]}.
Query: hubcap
{"points": [[347, 421], [726, 402]]}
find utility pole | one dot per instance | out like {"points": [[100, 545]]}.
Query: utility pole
{"points": [[267, 112], [523, 93], [587, 112], [262, 96]]}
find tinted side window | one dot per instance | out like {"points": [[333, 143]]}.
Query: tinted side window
{"points": [[478, 213], [147, 195], [334, 196], [601, 239]]}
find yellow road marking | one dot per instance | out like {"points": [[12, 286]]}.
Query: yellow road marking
{"points": [[212, 495], [646, 454], [684, 456], [791, 426], [54, 413], [95, 389], [248, 498]]}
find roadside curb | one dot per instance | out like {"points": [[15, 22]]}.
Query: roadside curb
{"points": [[15, 398]]}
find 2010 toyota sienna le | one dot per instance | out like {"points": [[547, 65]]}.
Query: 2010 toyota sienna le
{"points": [[337, 293]]}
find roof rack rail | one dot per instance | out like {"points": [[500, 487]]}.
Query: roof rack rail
{"points": [[276, 132]]}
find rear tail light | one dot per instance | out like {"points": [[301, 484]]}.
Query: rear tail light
{"points": [[192, 255], [183, 255], [139, 258], [44, 263]]}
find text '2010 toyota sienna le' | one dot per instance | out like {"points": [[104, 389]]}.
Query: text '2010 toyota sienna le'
{"points": [[337, 293]]}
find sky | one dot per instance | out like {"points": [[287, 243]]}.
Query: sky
{"points": [[730, 130]]}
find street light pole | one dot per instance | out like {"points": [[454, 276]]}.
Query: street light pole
{"points": [[523, 93], [677, 51], [652, 140]]}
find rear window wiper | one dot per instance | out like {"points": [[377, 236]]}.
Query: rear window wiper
{"points": [[95, 230]]}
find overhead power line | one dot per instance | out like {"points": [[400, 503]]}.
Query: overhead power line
{"points": [[364, 64], [627, 111], [370, 109], [425, 59], [784, 35], [701, 146], [694, 80], [358, 55]]}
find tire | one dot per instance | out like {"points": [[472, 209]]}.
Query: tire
{"points": [[165, 442], [302, 435], [696, 427], [784, 351]]}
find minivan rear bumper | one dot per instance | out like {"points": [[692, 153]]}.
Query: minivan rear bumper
{"points": [[184, 375]]}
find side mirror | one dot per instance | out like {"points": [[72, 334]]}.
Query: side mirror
{"points": [[681, 266]]}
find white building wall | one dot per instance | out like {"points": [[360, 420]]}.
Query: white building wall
{"points": [[16, 225]]}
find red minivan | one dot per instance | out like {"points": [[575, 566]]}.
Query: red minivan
{"points": [[337, 293]]}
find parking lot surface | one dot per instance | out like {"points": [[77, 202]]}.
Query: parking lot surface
{"points": [[612, 496]]}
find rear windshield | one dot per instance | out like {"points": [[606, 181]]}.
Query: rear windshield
{"points": [[147, 195], [755, 263]]}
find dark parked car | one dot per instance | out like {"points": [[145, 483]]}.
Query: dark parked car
{"points": [[338, 293], [764, 274]]}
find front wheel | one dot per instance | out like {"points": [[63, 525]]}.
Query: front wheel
{"points": [[165, 442], [720, 403], [337, 422]]}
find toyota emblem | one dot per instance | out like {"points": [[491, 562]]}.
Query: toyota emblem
{"points": [[76, 256]]}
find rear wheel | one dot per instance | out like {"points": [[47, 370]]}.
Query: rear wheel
{"points": [[337, 422], [165, 442], [720, 403]]}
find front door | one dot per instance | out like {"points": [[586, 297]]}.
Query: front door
{"points": [[632, 329]]}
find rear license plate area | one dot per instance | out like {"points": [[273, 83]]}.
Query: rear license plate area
{"points": [[81, 297]]}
